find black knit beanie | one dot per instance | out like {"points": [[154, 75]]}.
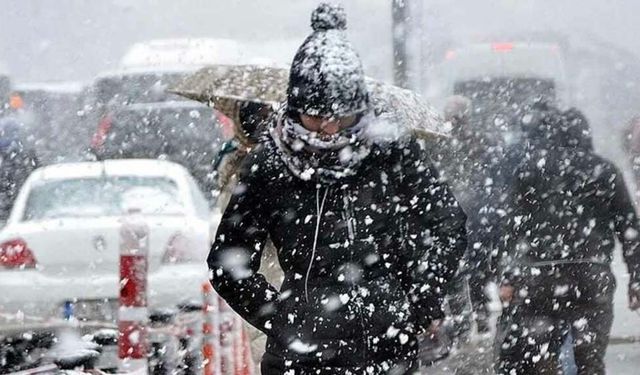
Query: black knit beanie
{"points": [[326, 77]]}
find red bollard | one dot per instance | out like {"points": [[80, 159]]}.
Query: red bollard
{"points": [[227, 360], [133, 314], [211, 331], [241, 348], [237, 345], [247, 360]]}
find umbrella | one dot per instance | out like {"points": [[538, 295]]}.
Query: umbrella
{"points": [[226, 87], [402, 106]]}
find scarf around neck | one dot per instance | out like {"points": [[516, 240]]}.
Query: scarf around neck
{"points": [[326, 159]]}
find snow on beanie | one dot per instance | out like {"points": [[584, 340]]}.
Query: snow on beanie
{"points": [[326, 77]]}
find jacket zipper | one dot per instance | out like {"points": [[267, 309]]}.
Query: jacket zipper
{"points": [[319, 210], [352, 230]]}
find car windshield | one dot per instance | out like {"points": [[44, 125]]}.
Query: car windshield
{"points": [[107, 196]]}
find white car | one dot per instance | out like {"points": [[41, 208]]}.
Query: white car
{"points": [[61, 242]]}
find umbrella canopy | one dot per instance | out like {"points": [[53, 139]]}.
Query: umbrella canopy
{"points": [[237, 82], [406, 108], [227, 87]]}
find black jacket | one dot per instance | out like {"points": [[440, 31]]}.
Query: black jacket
{"points": [[569, 207], [364, 260], [16, 164]]}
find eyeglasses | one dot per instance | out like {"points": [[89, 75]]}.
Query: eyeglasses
{"points": [[327, 125]]}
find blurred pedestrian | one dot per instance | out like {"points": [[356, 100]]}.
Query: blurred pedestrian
{"points": [[366, 233], [569, 207], [17, 161], [467, 166]]}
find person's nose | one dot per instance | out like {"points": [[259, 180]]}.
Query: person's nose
{"points": [[330, 127]]}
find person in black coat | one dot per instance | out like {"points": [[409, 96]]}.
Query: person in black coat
{"points": [[17, 161], [366, 233], [569, 207]]}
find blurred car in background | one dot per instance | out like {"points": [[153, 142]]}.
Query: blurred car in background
{"points": [[148, 68], [185, 132], [500, 78], [125, 99], [53, 115], [61, 243], [134, 116]]}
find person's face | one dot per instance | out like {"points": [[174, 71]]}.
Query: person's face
{"points": [[327, 126]]}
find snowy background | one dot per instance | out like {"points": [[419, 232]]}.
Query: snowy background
{"points": [[75, 39]]}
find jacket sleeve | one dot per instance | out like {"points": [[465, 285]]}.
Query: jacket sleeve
{"points": [[435, 238], [235, 256], [627, 228]]}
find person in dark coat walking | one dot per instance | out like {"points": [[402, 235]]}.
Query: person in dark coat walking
{"points": [[366, 233], [17, 161], [570, 205], [467, 164]]}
